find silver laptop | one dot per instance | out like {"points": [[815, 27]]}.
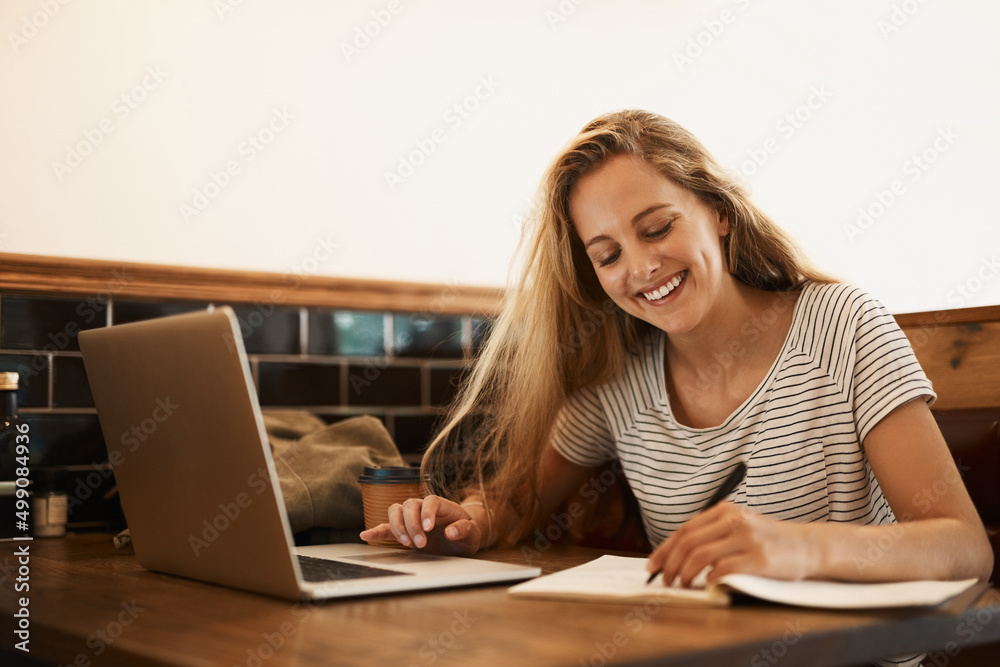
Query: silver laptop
{"points": [[197, 482]]}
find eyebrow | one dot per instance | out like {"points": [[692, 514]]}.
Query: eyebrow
{"points": [[635, 220]]}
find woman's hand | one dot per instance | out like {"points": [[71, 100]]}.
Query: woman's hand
{"points": [[729, 538], [433, 524]]}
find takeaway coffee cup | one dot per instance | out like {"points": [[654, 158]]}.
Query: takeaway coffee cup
{"points": [[382, 487]]}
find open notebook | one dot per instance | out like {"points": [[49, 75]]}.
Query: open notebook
{"points": [[623, 579]]}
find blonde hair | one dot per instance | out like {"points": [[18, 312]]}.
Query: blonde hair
{"points": [[558, 330]]}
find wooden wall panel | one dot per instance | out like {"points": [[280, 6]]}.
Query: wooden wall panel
{"points": [[960, 352], [37, 274]]}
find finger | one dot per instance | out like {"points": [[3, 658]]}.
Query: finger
{"points": [[380, 532], [655, 561], [660, 554], [666, 556], [708, 555], [678, 561], [459, 530], [659, 557], [412, 520], [398, 525], [722, 536], [736, 562], [428, 512]]}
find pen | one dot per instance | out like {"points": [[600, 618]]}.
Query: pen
{"points": [[728, 486]]}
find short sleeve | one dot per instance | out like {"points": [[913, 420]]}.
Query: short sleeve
{"points": [[886, 371], [581, 433]]}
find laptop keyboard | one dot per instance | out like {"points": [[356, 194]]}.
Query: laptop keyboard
{"points": [[321, 569]]}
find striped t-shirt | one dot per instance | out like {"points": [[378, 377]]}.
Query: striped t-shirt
{"points": [[845, 365]]}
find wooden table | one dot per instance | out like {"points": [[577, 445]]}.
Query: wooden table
{"points": [[91, 604]]}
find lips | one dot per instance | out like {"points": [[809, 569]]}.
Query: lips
{"points": [[666, 288]]}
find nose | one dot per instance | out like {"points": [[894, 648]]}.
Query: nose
{"points": [[644, 264]]}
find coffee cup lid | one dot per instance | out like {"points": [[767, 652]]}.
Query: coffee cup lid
{"points": [[390, 475]]}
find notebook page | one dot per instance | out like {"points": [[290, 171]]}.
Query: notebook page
{"points": [[615, 578], [841, 595], [623, 579]]}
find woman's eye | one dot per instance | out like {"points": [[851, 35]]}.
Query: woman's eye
{"points": [[660, 232], [609, 259]]}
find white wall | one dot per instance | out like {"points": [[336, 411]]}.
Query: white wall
{"points": [[157, 97]]}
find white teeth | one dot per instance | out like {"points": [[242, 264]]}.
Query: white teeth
{"points": [[665, 290]]}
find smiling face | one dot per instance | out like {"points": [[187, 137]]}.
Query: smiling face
{"points": [[656, 248]]}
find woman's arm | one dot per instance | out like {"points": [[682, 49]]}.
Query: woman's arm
{"points": [[939, 534], [443, 526]]}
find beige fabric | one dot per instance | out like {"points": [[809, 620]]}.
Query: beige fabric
{"points": [[318, 465]]}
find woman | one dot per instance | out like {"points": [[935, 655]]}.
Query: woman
{"points": [[663, 320]]}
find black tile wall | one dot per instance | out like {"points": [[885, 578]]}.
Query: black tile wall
{"points": [[136, 311], [59, 439], [284, 384], [414, 432], [444, 384], [420, 336], [36, 323], [337, 367], [391, 385], [85, 489], [346, 333], [481, 328], [70, 388], [268, 329]]}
